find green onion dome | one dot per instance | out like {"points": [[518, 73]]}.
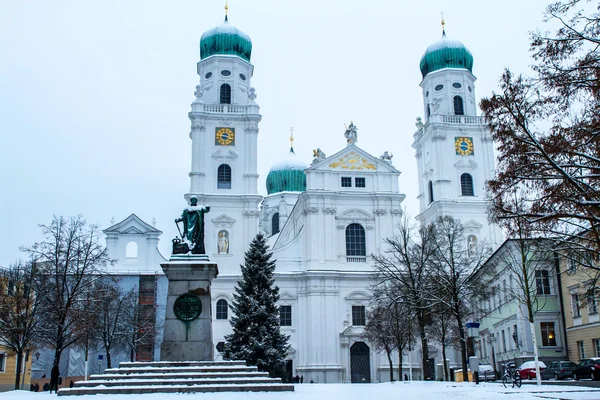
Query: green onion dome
{"points": [[287, 175], [446, 53], [225, 39]]}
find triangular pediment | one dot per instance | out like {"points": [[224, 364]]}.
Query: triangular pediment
{"points": [[353, 158], [223, 221], [132, 225], [472, 225], [132, 230], [287, 296]]}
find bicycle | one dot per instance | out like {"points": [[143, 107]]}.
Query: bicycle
{"points": [[511, 375]]}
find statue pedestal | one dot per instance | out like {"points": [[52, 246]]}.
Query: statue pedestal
{"points": [[188, 323]]}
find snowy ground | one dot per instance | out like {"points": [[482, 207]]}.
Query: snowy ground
{"points": [[397, 390]]}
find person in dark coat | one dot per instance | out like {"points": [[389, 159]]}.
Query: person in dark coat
{"points": [[54, 377]]}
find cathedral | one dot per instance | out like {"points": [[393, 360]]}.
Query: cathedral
{"points": [[323, 220]]}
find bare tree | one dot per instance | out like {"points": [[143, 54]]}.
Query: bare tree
{"points": [[451, 269], [443, 330], [19, 312], [113, 324], [547, 131], [87, 340], [142, 326], [403, 265], [391, 324], [70, 260], [377, 332]]}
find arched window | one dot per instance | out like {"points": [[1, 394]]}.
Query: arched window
{"points": [[355, 241], [275, 224], [459, 108], [225, 96], [428, 111], [224, 177], [430, 188], [466, 185], [131, 252], [222, 309]]}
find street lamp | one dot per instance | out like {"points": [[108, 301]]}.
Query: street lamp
{"points": [[516, 339]]}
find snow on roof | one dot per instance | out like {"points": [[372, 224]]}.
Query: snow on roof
{"points": [[290, 162], [226, 28]]}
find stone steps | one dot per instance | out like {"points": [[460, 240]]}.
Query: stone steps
{"points": [[179, 389], [185, 375], [165, 364], [185, 382], [176, 370], [178, 377]]}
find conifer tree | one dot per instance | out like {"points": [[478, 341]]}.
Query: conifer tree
{"points": [[256, 336]]}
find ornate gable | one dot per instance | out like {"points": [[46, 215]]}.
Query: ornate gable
{"points": [[352, 158], [132, 225], [352, 161]]}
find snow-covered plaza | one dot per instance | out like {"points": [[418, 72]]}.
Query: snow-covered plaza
{"points": [[397, 390]]}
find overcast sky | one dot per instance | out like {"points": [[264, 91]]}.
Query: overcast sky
{"points": [[94, 95]]}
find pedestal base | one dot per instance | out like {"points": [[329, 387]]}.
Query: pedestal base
{"points": [[188, 340]]}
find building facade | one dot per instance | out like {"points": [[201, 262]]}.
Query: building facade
{"points": [[323, 220], [580, 308], [505, 332]]}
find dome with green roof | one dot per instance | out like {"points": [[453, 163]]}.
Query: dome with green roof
{"points": [[287, 175], [446, 53], [225, 39]]}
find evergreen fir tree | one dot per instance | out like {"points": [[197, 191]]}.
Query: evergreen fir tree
{"points": [[256, 336]]}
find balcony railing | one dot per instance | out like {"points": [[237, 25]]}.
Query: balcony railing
{"points": [[224, 108], [458, 119], [356, 259], [454, 119]]}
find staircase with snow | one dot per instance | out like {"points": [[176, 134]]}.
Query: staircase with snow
{"points": [[178, 377]]}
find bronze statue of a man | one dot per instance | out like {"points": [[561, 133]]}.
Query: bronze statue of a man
{"points": [[193, 226]]}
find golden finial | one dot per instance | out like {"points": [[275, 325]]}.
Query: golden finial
{"points": [[443, 22], [292, 139], [226, 7]]}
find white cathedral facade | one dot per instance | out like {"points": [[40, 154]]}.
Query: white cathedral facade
{"points": [[323, 220]]}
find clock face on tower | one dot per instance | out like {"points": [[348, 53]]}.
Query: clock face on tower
{"points": [[463, 146], [224, 136]]}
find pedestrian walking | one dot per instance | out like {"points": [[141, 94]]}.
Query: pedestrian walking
{"points": [[54, 377]]}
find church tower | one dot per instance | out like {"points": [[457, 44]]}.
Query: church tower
{"points": [[454, 148], [224, 132]]}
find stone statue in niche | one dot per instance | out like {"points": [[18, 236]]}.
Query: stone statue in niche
{"points": [[223, 242], [472, 245]]}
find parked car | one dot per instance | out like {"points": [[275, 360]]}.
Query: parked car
{"points": [[559, 370], [486, 373], [589, 368], [527, 369]]}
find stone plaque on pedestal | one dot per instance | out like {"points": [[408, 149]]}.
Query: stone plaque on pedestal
{"points": [[188, 323]]}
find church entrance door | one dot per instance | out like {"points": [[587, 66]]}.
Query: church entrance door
{"points": [[360, 363]]}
